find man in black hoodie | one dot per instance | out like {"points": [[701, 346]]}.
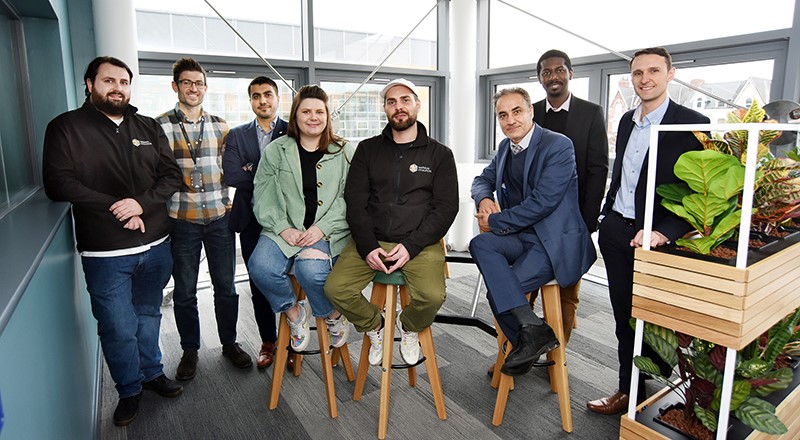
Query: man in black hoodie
{"points": [[402, 197], [117, 169]]}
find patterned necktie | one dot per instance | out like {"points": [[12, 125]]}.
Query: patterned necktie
{"points": [[515, 149]]}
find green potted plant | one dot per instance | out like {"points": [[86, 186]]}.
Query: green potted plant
{"points": [[761, 369]]}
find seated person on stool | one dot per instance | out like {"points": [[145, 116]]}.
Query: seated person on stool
{"points": [[298, 201], [539, 234], [402, 197]]}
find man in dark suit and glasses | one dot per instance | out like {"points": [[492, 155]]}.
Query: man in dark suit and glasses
{"points": [[621, 229]]}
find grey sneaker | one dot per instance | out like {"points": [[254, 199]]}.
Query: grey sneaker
{"points": [[338, 329], [301, 331], [409, 345], [376, 346]]}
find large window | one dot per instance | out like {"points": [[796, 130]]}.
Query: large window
{"points": [[621, 25]]}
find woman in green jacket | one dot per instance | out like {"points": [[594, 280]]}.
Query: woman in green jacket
{"points": [[299, 202]]}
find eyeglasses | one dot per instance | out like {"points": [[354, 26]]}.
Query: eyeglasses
{"points": [[548, 73], [188, 83]]}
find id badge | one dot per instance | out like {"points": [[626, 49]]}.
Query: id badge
{"points": [[196, 178]]}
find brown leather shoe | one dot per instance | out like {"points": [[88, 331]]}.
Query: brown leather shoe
{"points": [[290, 363], [490, 371], [614, 404], [266, 356]]}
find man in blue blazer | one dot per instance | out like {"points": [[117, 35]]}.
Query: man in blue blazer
{"points": [[621, 230], [243, 147], [537, 232]]}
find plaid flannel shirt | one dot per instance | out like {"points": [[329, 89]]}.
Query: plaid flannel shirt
{"points": [[212, 201]]}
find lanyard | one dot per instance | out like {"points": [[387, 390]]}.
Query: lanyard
{"points": [[199, 142]]}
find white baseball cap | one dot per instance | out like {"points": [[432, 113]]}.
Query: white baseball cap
{"points": [[398, 82]]}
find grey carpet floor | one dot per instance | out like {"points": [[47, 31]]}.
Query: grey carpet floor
{"points": [[223, 402]]}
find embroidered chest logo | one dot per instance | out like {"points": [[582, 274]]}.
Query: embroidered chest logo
{"points": [[419, 168], [137, 142]]}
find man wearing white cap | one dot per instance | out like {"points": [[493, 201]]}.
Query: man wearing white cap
{"points": [[402, 197]]}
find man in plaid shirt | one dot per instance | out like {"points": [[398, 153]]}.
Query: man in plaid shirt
{"points": [[199, 215]]}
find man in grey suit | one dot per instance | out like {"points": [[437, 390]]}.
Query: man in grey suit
{"points": [[582, 122], [537, 236]]}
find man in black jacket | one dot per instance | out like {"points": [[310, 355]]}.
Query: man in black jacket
{"points": [[402, 197], [117, 169], [621, 230]]}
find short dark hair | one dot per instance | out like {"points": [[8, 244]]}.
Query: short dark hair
{"points": [[186, 64], [553, 53], [654, 51], [510, 91], [328, 136], [262, 80], [94, 66]]}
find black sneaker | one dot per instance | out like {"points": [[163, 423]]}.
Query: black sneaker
{"points": [[126, 410], [163, 386], [532, 342], [188, 366], [237, 356]]}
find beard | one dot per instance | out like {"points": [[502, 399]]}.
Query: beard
{"points": [[403, 125], [109, 107]]}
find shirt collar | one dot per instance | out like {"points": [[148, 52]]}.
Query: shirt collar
{"points": [[526, 140], [564, 106], [182, 115], [652, 118], [271, 125]]}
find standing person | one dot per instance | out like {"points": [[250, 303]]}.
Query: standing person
{"points": [[299, 203], [539, 233], [115, 167], [243, 148], [621, 229], [402, 197], [582, 122], [199, 213]]}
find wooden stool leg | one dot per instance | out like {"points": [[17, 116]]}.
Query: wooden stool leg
{"points": [[503, 382], [378, 298], [386, 365], [426, 341], [501, 356], [551, 302], [343, 353], [327, 368], [279, 366], [404, 300]]}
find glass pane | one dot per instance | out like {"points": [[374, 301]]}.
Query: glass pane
{"points": [[355, 31], [363, 115], [15, 152], [620, 26], [736, 82], [577, 86], [225, 97], [273, 27]]}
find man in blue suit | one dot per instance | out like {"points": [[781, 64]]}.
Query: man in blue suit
{"points": [[243, 147], [537, 232]]}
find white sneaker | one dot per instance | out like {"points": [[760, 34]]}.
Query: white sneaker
{"points": [[338, 329], [376, 346], [301, 331], [409, 345]]}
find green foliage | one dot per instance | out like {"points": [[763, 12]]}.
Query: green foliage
{"points": [[779, 380], [707, 417], [760, 415], [780, 338], [741, 391]]}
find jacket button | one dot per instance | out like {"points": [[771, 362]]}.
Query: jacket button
{"points": [[319, 184], [319, 166], [319, 203]]}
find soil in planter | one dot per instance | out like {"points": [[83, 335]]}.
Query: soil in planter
{"points": [[691, 426]]}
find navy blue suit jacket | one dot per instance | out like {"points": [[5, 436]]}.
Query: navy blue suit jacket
{"points": [[671, 144], [550, 205], [241, 148]]}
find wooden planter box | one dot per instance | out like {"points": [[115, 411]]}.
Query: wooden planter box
{"points": [[713, 301]]}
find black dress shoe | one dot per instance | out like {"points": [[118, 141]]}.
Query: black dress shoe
{"points": [[532, 342], [237, 356], [126, 411], [188, 365], [163, 386]]}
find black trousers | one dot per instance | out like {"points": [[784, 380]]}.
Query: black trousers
{"points": [[614, 239], [265, 317]]}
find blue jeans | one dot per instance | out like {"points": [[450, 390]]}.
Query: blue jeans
{"points": [[269, 269], [219, 241], [126, 293]]}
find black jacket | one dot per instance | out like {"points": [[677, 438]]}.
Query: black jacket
{"points": [[408, 197], [92, 163]]}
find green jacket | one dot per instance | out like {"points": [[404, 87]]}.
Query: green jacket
{"points": [[278, 195]]}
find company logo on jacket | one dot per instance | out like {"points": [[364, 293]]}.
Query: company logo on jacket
{"points": [[419, 168], [137, 142]]}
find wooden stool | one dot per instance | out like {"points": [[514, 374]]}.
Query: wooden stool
{"points": [[559, 380], [325, 352], [384, 289]]}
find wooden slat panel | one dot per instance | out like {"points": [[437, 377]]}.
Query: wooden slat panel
{"points": [[781, 271], [768, 264], [689, 304], [701, 293], [633, 430], [770, 310], [692, 329], [693, 265], [789, 413], [679, 315], [689, 277]]}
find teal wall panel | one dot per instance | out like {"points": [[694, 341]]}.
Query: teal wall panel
{"points": [[48, 366]]}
